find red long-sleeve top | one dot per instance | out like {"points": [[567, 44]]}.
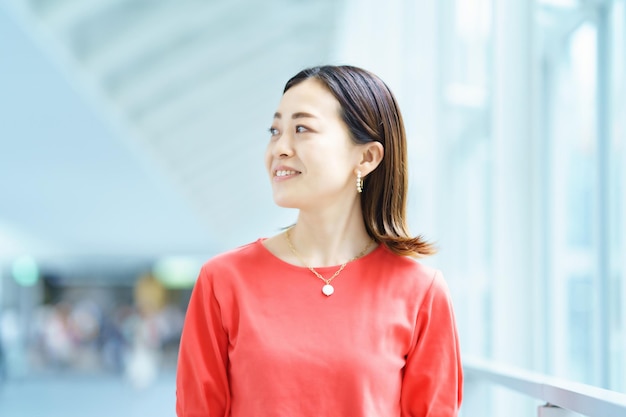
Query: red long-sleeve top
{"points": [[260, 339]]}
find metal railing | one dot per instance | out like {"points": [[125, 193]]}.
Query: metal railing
{"points": [[559, 395]]}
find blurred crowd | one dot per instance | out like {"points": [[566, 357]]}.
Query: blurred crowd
{"points": [[135, 340]]}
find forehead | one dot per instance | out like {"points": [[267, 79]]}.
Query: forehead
{"points": [[309, 96]]}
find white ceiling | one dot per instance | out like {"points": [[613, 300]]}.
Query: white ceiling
{"points": [[137, 128]]}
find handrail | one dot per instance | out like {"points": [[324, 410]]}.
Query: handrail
{"points": [[579, 398]]}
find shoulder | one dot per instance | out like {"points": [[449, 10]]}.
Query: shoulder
{"points": [[410, 269], [402, 277], [239, 253], [245, 256]]}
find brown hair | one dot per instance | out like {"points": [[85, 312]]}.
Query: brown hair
{"points": [[371, 113]]}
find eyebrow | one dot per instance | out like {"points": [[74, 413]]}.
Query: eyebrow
{"points": [[298, 115]]}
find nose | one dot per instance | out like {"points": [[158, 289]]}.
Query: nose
{"points": [[282, 147]]}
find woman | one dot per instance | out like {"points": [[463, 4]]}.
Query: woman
{"points": [[331, 317]]}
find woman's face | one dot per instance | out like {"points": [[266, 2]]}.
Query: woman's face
{"points": [[310, 158]]}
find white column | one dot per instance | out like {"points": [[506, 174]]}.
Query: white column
{"points": [[512, 130], [512, 277]]}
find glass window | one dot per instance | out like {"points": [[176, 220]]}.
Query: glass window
{"points": [[617, 194], [465, 238], [577, 174], [572, 138]]}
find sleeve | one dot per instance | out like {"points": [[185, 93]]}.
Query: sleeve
{"points": [[202, 387], [433, 375]]}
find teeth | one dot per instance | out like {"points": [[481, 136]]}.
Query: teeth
{"points": [[285, 173]]}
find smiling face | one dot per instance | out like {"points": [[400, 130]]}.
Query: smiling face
{"points": [[310, 158]]}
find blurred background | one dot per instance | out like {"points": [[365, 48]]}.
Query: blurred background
{"points": [[132, 135]]}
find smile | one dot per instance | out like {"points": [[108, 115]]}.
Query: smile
{"points": [[283, 173]]}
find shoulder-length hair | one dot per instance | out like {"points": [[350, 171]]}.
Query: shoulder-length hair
{"points": [[371, 113]]}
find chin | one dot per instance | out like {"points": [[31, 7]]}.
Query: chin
{"points": [[285, 202]]}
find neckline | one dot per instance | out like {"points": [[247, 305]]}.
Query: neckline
{"points": [[379, 247]]}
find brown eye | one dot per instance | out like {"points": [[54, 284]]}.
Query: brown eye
{"points": [[301, 129]]}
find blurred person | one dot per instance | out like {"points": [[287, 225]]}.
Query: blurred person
{"points": [[170, 324], [113, 343], [143, 362], [332, 317], [58, 336], [12, 339], [5, 339], [85, 320]]}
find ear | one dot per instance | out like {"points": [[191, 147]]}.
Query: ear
{"points": [[371, 155]]}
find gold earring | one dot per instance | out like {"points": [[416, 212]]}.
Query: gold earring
{"points": [[359, 182]]}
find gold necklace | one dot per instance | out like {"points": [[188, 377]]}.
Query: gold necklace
{"points": [[327, 289]]}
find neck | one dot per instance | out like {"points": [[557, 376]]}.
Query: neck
{"points": [[329, 239]]}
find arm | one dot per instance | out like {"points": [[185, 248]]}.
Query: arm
{"points": [[202, 387], [433, 379]]}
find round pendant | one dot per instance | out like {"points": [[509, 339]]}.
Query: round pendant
{"points": [[328, 290]]}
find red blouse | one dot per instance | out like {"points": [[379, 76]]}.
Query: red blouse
{"points": [[260, 339]]}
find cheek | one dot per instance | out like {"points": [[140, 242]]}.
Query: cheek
{"points": [[268, 159]]}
